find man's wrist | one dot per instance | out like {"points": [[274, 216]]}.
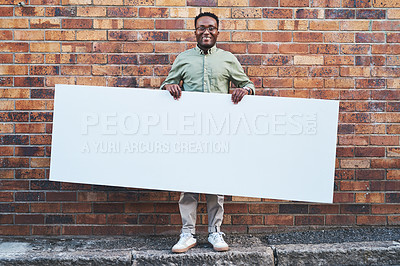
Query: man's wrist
{"points": [[249, 91]]}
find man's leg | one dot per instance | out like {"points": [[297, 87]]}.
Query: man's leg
{"points": [[188, 210], [215, 207]]}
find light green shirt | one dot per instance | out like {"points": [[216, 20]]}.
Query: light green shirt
{"points": [[211, 72]]}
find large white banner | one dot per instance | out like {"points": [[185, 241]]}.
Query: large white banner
{"points": [[268, 147]]}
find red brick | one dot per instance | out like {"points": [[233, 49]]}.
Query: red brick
{"points": [[61, 196], [308, 83], [76, 207], [355, 48], [29, 219], [153, 12], [307, 13], [384, 140], [344, 175], [370, 151], [309, 220], [65, 11], [393, 37], [249, 36], [385, 209], [108, 207], [393, 220], [277, 13], [264, 3], [324, 49], [356, 3], [247, 219], [307, 37], [385, 163], [30, 174], [343, 197], [385, 185], [294, 3], [14, 230], [289, 48], [340, 220], [339, 14], [324, 71], [76, 230], [392, 197], [370, 197], [279, 220], [370, 37], [45, 207], [46, 230], [277, 83]]}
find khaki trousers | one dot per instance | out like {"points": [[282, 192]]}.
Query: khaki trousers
{"points": [[188, 209]]}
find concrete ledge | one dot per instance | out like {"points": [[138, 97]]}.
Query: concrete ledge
{"points": [[201, 256], [351, 253]]}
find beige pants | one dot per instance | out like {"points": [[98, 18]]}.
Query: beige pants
{"points": [[188, 208]]}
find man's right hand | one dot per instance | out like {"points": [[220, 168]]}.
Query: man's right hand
{"points": [[174, 89]]}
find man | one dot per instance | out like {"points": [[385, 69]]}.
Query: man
{"points": [[205, 68]]}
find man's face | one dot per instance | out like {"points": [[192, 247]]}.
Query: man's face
{"points": [[206, 38]]}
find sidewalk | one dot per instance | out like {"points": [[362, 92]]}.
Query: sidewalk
{"points": [[362, 246]]}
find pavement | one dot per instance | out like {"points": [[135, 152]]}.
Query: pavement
{"points": [[344, 246]]}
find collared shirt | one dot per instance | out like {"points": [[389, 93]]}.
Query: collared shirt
{"points": [[211, 72]]}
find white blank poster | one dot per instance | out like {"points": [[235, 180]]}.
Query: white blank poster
{"points": [[267, 147]]}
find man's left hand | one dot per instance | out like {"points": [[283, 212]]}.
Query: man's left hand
{"points": [[238, 94]]}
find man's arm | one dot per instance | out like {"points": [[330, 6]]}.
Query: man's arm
{"points": [[241, 81], [171, 83]]}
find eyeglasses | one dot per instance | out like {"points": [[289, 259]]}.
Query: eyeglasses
{"points": [[203, 29]]}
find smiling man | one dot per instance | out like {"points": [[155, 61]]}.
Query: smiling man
{"points": [[205, 68]]}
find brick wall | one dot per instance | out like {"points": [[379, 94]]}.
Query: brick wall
{"points": [[346, 50]]}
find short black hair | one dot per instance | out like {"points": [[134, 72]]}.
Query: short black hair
{"points": [[206, 14]]}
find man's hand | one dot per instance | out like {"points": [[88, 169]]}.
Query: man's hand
{"points": [[238, 94], [174, 89]]}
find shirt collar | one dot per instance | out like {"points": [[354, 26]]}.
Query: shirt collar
{"points": [[210, 51]]}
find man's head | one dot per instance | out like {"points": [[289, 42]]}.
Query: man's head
{"points": [[206, 32]]}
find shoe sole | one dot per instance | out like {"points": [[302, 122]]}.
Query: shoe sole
{"points": [[221, 249], [183, 249]]}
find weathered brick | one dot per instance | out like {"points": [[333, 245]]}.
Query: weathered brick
{"points": [[247, 13], [153, 12], [385, 3], [91, 11], [369, 174], [339, 14], [77, 23], [370, 37], [370, 197], [14, 23], [156, 36], [352, 25], [298, 48], [6, 35], [169, 24], [393, 14], [309, 13], [324, 49], [277, 13], [293, 25], [356, 3], [64, 11], [45, 23], [276, 36], [294, 3], [370, 14], [371, 220], [339, 37]]}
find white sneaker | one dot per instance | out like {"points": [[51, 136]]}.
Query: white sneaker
{"points": [[185, 242], [218, 242]]}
